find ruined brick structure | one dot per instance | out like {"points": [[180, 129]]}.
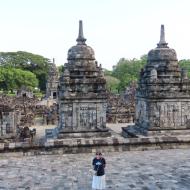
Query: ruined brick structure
{"points": [[8, 121], [121, 108], [82, 93], [163, 94], [16, 113], [24, 92]]}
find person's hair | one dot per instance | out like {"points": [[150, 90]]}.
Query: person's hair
{"points": [[98, 153]]}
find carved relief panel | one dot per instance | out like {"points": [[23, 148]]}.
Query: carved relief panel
{"points": [[169, 114], [87, 117]]}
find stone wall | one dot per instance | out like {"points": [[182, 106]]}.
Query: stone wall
{"points": [[68, 146]]}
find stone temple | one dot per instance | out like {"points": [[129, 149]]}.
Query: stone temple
{"points": [[82, 94], [52, 82], [162, 96]]}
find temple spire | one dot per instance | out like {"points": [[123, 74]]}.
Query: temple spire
{"points": [[162, 43], [80, 39]]}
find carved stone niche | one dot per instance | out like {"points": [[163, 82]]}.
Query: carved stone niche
{"points": [[153, 74]]}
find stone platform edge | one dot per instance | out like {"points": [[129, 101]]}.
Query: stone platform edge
{"points": [[65, 146]]}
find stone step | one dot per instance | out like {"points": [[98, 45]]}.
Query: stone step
{"points": [[169, 132], [87, 134]]}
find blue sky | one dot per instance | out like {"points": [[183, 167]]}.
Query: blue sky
{"points": [[113, 28]]}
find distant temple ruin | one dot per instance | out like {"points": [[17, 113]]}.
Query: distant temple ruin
{"points": [[82, 93], [24, 92], [52, 82], [162, 96]]}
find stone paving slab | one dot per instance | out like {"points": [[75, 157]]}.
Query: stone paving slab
{"points": [[138, 170]]}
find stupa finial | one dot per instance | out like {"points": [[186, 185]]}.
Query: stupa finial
{"points": [[80, 39], [162, 43]]}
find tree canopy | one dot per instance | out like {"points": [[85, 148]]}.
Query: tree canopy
{"points": [[36, 64], [126, 71], [112, 83], [185, 63], [12, 78]]}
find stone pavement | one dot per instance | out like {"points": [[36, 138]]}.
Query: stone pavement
{"points": [[146, 170]]}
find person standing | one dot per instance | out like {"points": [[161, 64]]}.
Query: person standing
{"points": [[99, 164]]}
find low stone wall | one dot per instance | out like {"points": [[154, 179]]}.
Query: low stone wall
{"points": [[64, 146]]}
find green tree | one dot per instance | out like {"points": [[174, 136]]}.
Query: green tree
{"points": [[107, 72], [60, 69], [185, 63], [128, 70], [37, 64], [112, 83], [13, 79]]}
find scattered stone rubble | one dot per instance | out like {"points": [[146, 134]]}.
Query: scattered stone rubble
{"points": [[121, 107], [17, 115]]}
